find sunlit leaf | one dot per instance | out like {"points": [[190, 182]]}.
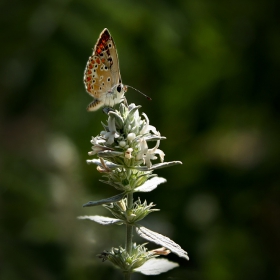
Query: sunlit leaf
{"points": [[151, 184], [158, 166], [108, 163], [118, 119], [101, 220], [162, 240], [156, 266]]}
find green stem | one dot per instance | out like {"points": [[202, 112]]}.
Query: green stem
{"points": [[129, 228], [129, 233], [127, 276]]}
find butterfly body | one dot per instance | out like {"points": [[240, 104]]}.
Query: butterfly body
{"points": [[102, 77]]}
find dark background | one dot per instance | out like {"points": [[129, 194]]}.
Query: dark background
{"points": [[212, 70]]}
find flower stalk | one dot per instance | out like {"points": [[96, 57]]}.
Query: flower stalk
{"points": [[125, 159], [129, 227]]}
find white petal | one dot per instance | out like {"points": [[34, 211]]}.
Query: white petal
{"points": [[161, 154]]}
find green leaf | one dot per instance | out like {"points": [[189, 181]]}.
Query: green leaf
{"points": [[118, 119], [101, 220], [162, 240], [108, 163], [108, 153], [110, 183], [150, 185], [132, 111], [157, 166], [154, 138], [156, 266], [115, 198]]}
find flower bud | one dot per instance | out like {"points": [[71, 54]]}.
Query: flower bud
{"points": [[122, 143], [131, 136]]}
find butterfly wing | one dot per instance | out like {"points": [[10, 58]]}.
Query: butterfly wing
{"points": [[106, 49], [102, 71]]}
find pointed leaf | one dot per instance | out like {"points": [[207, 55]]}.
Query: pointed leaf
{"points": [[156, 266], [118, 119], [150, 185], [154, 138], [111, 184], [109, 153], [101, 220], [108, 163], [115, 198], [133, 110], [122, 109], [158, 166], [162, 240]]}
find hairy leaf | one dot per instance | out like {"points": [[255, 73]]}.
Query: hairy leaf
{"points": [[162, 240], [115, 198], [108, 163], [101, 220], [150, 185], [156, 266], [158, 166], [108, 153]]}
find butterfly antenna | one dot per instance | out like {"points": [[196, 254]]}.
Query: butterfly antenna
{"points": [[148, 97]]}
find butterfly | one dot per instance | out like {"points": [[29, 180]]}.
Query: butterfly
{"points": [[102, 76]]}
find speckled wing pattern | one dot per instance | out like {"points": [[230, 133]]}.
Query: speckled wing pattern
{"points": [[102, 76]]}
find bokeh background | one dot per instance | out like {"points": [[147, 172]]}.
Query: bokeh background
{"points": [[212, 70]]}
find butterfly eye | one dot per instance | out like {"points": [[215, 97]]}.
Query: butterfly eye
{"points": [[119, 88]]}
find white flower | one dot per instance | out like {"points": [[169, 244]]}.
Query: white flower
{"points": [[143, 149], [96, 140], [147, 128], [150, 155], [96, 148], [128, 153], [147, 154]]}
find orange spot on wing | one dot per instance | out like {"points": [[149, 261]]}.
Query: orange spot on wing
{"points": [[101, 46]]}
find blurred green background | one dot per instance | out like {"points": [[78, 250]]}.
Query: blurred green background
{"points": [[212, 70]]}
